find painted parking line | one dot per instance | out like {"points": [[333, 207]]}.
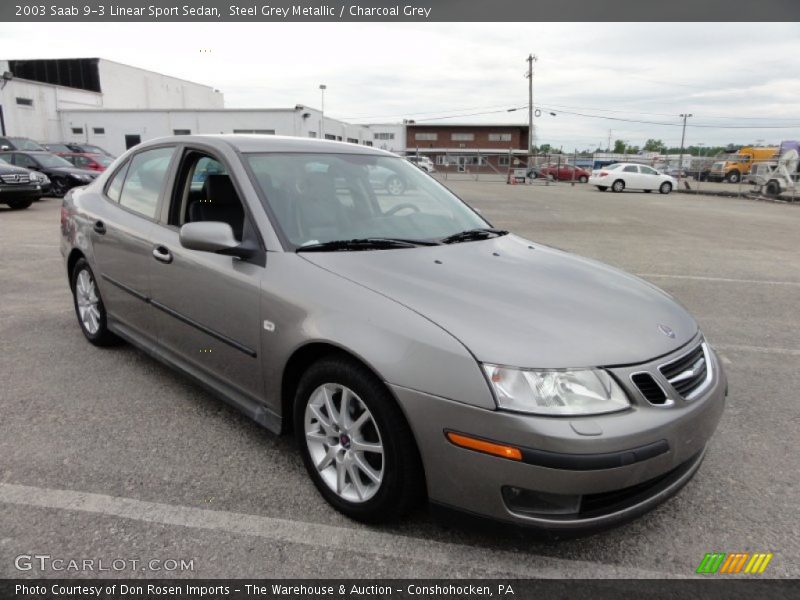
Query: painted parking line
{"points": [[718, 279], [318, 535]]}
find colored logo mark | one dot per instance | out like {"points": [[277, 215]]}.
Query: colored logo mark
{"points": [[736, 562]]}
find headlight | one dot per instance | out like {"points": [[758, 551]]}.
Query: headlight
{"points": [[580, 392]]}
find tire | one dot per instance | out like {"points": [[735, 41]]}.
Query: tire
{"points": [[59, 188], [665, 188], [602, 188], [583, 179], [394, 185], [400, 484], [733, 177], [18, 204], [94, 326], [618, 186], [773, 188]]}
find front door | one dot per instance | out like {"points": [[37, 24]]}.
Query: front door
{"points": [[207, 305]]}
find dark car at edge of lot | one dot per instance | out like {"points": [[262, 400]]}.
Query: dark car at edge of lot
{"points": [[63, 175], [17, 189]]}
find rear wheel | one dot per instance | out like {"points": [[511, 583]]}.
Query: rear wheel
{"points": [[89, 306], [665, 188], [18, 204], [355, 442], [618, 185], [583, 179], [773, 188]]}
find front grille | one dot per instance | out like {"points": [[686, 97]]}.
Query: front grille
{"points": [[687, 374], [649, 388], [16, 178]]}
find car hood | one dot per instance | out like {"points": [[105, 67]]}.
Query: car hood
{"points": [[513, 302], [72, 170], [11, 169]]}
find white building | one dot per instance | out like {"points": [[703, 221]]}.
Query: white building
{"points": [[117, 130], [116, 106], [389, 136]]}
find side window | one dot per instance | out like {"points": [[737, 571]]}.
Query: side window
{"points": [[631, 169], [114, 186], [647, 171], [144, 181], [25, 161]]}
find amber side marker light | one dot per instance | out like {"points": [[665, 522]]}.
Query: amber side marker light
{"points": [[471, 443]]}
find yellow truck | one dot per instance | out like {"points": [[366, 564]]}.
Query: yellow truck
{"points": [[735, 166]]}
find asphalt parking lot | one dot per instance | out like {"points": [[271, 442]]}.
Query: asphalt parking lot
{"points": [[106, 454]]}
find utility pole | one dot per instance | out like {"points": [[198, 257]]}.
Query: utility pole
{"points": [[683, 139], [608, 146], [531, 137]]}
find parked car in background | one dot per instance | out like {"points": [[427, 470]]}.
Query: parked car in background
{"points": [[93, 162], [564, 172], [63, 175], [423, 162], [57, 148], [415, 351], [76, 147], [18, 189], [19, 143], [632, 176], [674, 172]]}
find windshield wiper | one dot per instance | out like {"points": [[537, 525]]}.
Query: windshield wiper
{"points": [[372, 243], [473, 234]]}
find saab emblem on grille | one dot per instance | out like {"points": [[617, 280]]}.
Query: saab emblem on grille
{"points": [[667, 331]]}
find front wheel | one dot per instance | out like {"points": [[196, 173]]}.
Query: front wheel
{"points": [[618, 186], [355, 442], [58, 188], [733, 177], [19, 204], [665, 188], [89, 306]]}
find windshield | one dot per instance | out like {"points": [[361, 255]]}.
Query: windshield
{"points": [[318, 198], [53, 161], [93, 149], [26, 144], [58, 148]]}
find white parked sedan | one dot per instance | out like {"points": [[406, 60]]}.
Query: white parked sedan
{"points": [[631, 176]]}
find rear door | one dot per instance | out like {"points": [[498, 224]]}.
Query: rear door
{"points": [[208, 305], [120, 230]]}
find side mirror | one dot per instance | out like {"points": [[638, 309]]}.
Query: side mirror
{"points": [[212, 236]]}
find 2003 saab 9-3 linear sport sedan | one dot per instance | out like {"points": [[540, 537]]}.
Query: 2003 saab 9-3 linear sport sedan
{"points": [[415, 351]]}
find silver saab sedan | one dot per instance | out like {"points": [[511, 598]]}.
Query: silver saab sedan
{"points": [[415, 351]]}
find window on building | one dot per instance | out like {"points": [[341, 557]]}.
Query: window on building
{"points": [[330, 136], [338, 138], [462, 137], [25, 101], [77, 131], [99, 130], [385, 136], [312, 134], [499, 137], [352, 140], [502, 161], [427, 137], [181, 132], [256, 131], [367, 143]]}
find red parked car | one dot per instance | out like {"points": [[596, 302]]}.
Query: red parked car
{"points": [[565, 173], [83, 160]]}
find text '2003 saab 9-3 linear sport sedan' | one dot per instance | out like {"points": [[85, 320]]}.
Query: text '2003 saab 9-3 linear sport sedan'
{"points": [[415, 351]]}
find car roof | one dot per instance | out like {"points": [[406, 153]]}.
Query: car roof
{"points": [[272, 143]]}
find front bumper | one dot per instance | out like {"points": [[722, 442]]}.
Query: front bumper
{"points": [[619, 465], [20, 192]]}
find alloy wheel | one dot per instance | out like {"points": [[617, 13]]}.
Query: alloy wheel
{"points": [[88, 302], [344, 443]]}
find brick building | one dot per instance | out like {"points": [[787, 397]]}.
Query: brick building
{"points": [[469, 147]]}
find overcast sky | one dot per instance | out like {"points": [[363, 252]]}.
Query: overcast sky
{"points": [[725, 74]]}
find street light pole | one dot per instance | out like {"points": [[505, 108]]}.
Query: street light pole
{"points": [[683, 139], [322, 89]]}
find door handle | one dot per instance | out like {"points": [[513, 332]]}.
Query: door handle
{"points": [[100, 227], [162, 254]]}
